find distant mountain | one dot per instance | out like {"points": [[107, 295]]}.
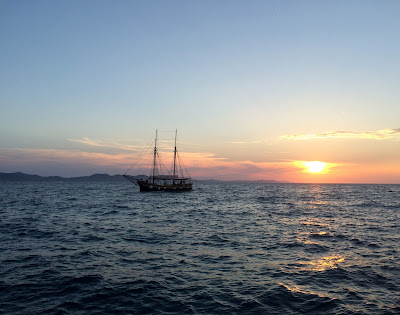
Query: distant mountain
{"points": [[15, 177]]}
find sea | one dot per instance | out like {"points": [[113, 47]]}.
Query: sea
{"points": [[223, 248]]}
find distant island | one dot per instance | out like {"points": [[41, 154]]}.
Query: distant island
{"points": [[18, 177]]}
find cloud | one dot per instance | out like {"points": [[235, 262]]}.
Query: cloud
{"points": [[19, 155], [208, 165], [255, 141], [106, 144], [383, 134], [162, 144], [76, 163], [250, 141]]}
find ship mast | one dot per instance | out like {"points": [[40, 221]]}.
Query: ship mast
{"points": [[155, 156], [176, 131]]}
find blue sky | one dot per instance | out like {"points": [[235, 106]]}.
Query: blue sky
{"points": [[222, 72]]}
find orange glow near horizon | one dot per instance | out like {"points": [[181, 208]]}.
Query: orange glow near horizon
{"points": [[204, 166]]}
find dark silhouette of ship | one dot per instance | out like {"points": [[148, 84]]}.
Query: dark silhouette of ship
{"points": [[160, 179]]}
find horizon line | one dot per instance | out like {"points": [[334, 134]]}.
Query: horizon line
{"points": [[272, 181]]}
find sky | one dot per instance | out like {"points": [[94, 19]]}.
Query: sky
{"points": [[256, 89]]}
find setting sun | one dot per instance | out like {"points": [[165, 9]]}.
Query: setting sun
{"points": [[316, 171], [315, 166]]}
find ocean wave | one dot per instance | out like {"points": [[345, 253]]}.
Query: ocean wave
{"points": [[269, 249]]}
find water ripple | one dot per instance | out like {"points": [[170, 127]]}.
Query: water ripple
{"points": [[70, 248]]}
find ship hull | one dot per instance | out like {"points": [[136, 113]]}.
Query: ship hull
{"points": [[144, 187]]}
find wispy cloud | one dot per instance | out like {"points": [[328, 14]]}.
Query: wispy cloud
{"points": [[383, 134], [107, 144], [208, 165], [250, 141], [22, 155], [162, 145], [255, 141]]}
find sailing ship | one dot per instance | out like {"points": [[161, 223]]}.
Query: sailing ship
{"points": [[160, 179]]}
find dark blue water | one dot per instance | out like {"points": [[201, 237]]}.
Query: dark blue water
{"points": [[222, 248]]}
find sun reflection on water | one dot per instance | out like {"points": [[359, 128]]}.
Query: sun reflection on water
{"points": [[322, 264], [314, 222], [295, 288]]}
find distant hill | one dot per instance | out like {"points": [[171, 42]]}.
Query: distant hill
{"points": [[16, 177]]}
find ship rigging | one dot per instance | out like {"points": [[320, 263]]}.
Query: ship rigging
{"points": [[158, 178]]}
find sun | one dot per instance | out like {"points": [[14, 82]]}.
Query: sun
{"points": [[315, 166]]}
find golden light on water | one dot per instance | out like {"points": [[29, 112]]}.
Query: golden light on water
{"points": [[314, 221], [295, 288], [327, 262]]}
